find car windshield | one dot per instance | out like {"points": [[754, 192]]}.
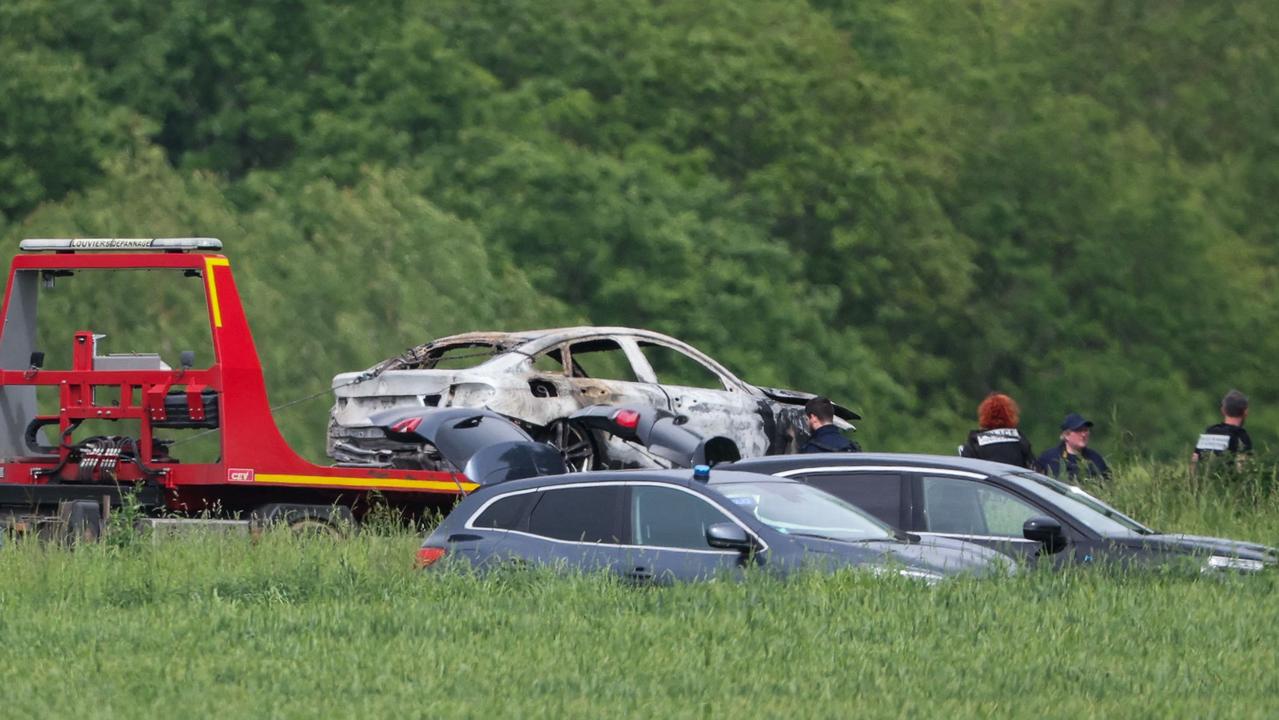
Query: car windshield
{"points": [[1092, 512], [799, 509]]}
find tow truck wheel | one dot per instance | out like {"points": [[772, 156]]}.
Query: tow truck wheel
{"points": [[310, 520], [79, 521], [316, 527]]}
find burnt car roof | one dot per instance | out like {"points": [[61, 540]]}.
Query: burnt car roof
{"points": [[502, 341], [513, 338]]}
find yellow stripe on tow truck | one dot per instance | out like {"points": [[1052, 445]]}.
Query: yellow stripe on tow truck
{"points": [[367, 482], [209, 264]]}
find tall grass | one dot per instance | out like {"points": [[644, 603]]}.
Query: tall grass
{"points": [[1217, 500], [224, 626]]}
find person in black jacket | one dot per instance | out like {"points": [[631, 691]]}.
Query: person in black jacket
{"points": [[999, 440], [1072, 456], [1227, 436], [826, 437]]}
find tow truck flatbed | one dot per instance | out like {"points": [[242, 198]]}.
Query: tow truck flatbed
{"points": [[46, 463]]}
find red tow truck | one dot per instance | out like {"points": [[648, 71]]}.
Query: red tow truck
{"points": [[61, 473]]}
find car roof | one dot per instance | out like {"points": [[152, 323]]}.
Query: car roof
{"points": [[780, 463], [519, 337], [672, 477]]}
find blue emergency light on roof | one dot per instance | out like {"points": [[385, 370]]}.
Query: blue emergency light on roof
{"points": [[118, 244], [702, 472]]}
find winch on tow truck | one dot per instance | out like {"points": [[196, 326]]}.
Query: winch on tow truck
{"points": [[61, 473]]}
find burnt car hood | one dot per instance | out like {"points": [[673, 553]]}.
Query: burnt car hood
{"points": [[795, 397], [1201, 545]]}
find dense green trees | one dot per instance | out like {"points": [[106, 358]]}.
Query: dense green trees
{"points": [[900, 205]]}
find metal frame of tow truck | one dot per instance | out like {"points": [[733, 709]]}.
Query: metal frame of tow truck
{"points": [[256, 467]]}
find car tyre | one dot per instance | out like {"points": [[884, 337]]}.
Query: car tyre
{"points": [[576, 444]]}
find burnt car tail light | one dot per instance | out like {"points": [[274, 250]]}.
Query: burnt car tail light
{"points": [[628, 419], [427, 556]]}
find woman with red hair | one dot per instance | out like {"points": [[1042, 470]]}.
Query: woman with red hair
{"points": [[999, 439]]}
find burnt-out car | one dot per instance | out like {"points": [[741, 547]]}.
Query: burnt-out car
{"points": [[540, 378]]}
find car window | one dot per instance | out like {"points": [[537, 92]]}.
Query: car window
{"points": [[963, 507], [452, 356], [581, 514], [879, 494], [674, 367], [1085, 508], [666, 517], [603, 359], [460, 357], [792, 507], [504, 513], [551, 361]]}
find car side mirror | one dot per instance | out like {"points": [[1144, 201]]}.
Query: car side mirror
{"points": [[186, 359], [1045, 530], [729, 536]]}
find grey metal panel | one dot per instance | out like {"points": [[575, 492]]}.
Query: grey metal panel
{"points": [[18, 402], [130, 361]]}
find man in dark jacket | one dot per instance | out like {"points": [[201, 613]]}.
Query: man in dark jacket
{"points": [[820, 413], [1072, 456], [1227, 436]]}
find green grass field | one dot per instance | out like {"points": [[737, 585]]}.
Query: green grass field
{"points": [[311, 627]]}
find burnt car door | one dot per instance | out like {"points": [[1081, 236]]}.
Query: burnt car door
{"points": [[607, 370], [668, 540], [976, 510], [714, 401]]}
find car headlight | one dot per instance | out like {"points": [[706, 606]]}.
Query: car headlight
{"points": [[1225, 562]]}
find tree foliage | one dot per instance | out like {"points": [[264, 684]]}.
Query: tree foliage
{"points": [[901, 205]]}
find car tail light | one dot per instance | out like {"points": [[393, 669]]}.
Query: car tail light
{"points": [[628, 419], [427, 556], [407, 425]]}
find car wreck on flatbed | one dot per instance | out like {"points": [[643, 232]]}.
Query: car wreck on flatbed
{"points": [[540, 378]]}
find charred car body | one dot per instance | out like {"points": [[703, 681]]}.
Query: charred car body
{"points": [[540, 378]]}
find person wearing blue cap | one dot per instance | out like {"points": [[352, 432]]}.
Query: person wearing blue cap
{"points": [[1072, 456]]}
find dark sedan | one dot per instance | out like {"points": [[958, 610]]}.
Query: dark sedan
{"points": [[1002, 507], [659, 526]]}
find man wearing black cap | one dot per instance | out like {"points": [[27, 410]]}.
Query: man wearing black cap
{"points": [[1072, 455]]}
